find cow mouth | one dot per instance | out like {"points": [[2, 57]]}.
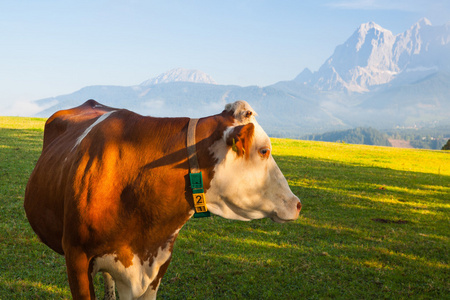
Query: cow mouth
{"points": [[276, 219]]}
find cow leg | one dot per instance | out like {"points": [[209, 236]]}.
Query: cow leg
{"points": [[124, 290], [110, 287], [80, 280], [150, 294]]}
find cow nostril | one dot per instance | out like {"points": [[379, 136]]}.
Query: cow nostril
{"points": [[299, 206]]}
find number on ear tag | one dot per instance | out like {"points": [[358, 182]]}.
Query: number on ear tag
{"points": [[200, 203]]}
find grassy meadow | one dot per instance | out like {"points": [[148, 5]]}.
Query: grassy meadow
{"points": [[374, 225]]}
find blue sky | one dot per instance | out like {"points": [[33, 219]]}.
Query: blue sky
{"points": [[54, 47]]}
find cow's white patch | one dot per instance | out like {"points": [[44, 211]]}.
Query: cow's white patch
{"points": [[86, 132], [133, 282], [249, 188]]}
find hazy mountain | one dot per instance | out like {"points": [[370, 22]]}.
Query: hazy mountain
{"points": [[279, 111], [375, 79], [180, 75]]}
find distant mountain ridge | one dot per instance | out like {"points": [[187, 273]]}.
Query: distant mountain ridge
{"points": [[374, 79], [180, 75]]}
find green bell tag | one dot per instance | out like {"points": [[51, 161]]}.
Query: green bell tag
{"points": [[201, 210]]}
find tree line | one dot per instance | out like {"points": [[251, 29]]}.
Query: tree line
{"points": [[359, 135]]}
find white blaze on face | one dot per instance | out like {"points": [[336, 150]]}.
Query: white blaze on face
{"points": [[250, 186]]}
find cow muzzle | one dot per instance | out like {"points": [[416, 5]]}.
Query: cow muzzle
{"points": [[290, 212]]}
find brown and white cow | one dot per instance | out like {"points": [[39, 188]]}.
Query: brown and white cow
{"points": [[110, 190]]}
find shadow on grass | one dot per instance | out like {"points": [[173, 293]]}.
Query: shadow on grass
{"points": [[261, 260], [336, 248]]}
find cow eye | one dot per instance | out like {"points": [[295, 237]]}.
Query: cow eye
{"points": [[265, 152]]}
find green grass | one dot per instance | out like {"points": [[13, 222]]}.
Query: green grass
{"points": [[374, 225]]}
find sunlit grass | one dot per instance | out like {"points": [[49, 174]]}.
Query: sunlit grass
{"points": [[374, 225], [22, 123]]}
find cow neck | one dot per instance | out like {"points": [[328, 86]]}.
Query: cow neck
{"points": [[195, 175]]}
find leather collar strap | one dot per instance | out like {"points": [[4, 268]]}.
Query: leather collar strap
{"points": [[195, 176], [192, 151]]}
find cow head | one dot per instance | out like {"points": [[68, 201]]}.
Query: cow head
{"points": [[247, 183]]}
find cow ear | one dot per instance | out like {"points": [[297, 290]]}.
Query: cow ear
{"points": [[240, 139]]}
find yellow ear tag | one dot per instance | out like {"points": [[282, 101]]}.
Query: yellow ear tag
{"points": [[234, 147]]}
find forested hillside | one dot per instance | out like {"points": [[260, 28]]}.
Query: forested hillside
{"points": [[360, 135], [423, 138]]}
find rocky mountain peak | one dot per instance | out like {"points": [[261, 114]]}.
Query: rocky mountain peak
{"points": [[373, 56]]}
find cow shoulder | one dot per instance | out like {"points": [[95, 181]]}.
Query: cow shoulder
{"points": [[60, 121]]}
